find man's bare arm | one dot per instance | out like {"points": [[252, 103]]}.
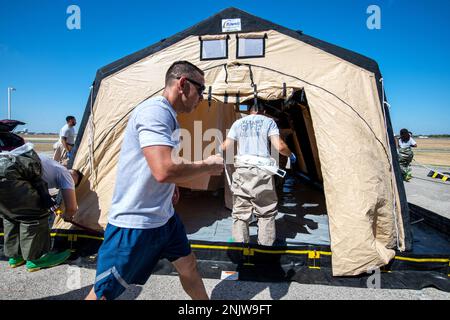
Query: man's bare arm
{"points": [[166, 169], [227, 144], [70, 203], [280, 145]]}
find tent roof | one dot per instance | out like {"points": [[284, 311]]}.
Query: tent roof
{"points": [[250, 23], [212, 25]]}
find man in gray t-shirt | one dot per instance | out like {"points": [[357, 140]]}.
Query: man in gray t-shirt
{"points": [[142, 225], [253, 188]]}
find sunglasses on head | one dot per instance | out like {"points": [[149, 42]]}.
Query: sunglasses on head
{"points": [[200, 87]]}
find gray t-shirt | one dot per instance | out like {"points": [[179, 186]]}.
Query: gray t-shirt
{"points": [[139, 201], [68, 133], [56, 175], [252, 133]]}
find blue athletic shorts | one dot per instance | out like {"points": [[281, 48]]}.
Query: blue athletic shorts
{"points": [[128, 256]]}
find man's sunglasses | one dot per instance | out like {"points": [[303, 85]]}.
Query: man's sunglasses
{"points": [[200, 87]]}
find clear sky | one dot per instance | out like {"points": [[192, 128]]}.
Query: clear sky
{"points": [[52, 67]]}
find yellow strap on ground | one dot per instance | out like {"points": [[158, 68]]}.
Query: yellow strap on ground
{"points": [[251, 251], [421, 259]]}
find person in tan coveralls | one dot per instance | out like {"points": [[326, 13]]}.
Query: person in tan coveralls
{"points": [[253, 188]]}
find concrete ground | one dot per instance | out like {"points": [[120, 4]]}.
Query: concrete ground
{"points": [[74, 281], [429, 193]]}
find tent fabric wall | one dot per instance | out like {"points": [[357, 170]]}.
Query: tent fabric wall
{"points": [[312, 140], [351, 143], [358, 194], [216, 115]]}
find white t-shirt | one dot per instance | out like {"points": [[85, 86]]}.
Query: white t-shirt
{"points": [[56, 175], [407, 144], [139, 201], [252, 133], [68, 133]]}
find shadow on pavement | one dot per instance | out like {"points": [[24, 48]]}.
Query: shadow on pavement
{"points": [[130, 294], [242, 290]]}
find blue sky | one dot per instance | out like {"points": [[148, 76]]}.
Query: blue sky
{"points": [[52, 67]]}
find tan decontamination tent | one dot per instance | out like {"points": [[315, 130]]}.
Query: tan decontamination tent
{"points": [[328, 99]]}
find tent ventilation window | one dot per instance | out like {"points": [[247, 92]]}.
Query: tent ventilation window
{"points": [[213, 48], [251, 46]]}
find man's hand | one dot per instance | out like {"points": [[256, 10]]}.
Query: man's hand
{"points": [[215, 164], [176, 196], [66, 217], [226, 145]]}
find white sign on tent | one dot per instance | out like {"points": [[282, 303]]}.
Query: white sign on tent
{"points": [[230, 25]]}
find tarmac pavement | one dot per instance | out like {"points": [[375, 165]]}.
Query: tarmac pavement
{"points": [[71, 282], [429, 193]]}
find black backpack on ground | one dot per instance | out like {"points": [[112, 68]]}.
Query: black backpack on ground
{"points": [[23, 194]]}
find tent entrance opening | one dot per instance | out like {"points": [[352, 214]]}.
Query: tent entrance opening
{"points": [[302, 216]]}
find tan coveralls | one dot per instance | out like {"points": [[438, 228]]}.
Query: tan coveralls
{"points": [[253, 191]]}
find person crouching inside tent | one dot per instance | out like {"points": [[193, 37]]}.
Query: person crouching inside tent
{"points": [[405, 153], [253, 184], [25, 202]]}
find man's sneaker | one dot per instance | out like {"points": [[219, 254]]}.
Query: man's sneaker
{"points": [[16, 262], [48, 260]]}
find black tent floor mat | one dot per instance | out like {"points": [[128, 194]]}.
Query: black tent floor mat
{"points": [[431, 231], [427, 240], [412, 280], [314, 230], [312, 265], [301, 218]]}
